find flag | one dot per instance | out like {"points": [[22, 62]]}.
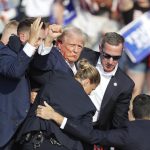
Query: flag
{"points": [[137, 38]]}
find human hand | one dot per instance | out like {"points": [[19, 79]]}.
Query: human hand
{"points": [[54, 31], [35, 31], [45, 112]]}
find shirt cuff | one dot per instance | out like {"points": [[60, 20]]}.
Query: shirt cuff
{"points": [[44, 50], [29, 49], [63, 123]]}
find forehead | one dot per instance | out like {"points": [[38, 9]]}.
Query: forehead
{"points": [[113, 49], [74, 37]]}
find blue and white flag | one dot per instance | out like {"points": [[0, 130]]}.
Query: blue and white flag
{"points": [[137, 38]]}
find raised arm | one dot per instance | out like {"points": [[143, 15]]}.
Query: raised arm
{"points": [[14, 64], [53, 31]]}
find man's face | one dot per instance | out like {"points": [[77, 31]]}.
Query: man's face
{"points": [[110, 55], [24, 37], [71, 47], [41, 38]]}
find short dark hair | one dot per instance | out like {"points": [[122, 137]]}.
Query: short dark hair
{"points": [[25, 25], [141, 106], [112, 38]]}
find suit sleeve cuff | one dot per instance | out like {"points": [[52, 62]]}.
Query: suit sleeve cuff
{"points": [[44, 50], [29, 50], [63, 123]]}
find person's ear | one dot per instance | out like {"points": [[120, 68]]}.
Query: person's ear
{"points": [[59, 43], [22, 37], [85, 82]]}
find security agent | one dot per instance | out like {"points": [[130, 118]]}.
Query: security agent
{"points": [[127, 138]]}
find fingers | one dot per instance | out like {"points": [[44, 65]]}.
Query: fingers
{"points": [[43, 112], [35, 29], [40, 107], [39, 114], [37, 23], [46, 104], [55, 28], [40, 110]]}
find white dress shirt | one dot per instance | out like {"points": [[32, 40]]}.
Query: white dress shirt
{"points": [[73, 67], [30, 50], [98, 94], [42, 50]]}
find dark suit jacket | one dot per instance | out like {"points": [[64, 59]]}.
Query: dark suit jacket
{"points": [[135, 136], [66, 96], [42, 66], [14, 91]]}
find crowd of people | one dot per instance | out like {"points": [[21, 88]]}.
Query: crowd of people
{"points": [[58, 93]]}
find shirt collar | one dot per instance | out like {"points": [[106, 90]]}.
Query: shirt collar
{"points": [[109, 74], [72, 66]]}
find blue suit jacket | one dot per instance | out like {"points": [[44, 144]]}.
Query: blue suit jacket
{"points": [[14, 91], [67, 97], [135, 136], [42, 66]]}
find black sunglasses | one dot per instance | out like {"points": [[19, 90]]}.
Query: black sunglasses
{"points": [[107, 56]]}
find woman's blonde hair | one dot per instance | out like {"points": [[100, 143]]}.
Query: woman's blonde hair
{"points": [[87, 71]]}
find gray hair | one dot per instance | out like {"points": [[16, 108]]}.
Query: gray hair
{"points": [[69, 31]]}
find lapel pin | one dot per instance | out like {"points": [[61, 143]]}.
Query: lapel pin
{"points": [[115, 84]]}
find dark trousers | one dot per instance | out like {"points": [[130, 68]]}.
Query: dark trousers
{"points": [[45, 145]]}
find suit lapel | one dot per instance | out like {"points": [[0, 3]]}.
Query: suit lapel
{"points": [[109, 92], [64, 64]]}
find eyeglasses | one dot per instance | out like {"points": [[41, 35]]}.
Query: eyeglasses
{"points": [[107, 56]]}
